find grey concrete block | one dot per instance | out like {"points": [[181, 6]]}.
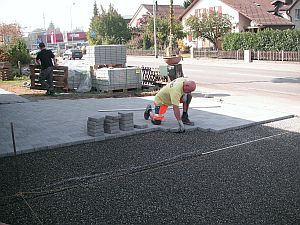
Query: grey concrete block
{"points": [[92, 123], [111, 127], [121, 114], [112, 131], [126, 122], [126, 128], [96, 118], [140, 126], [112, 117]]}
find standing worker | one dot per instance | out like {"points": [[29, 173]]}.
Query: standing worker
{"points": [[174, 93], [46, 59]]}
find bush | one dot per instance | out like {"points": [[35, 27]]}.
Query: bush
{"points": [[18, 52], [265, 40]]}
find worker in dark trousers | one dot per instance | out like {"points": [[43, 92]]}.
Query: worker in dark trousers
{"points": [[174, 93], [46, 59]]}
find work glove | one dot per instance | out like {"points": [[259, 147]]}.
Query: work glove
{"points": [[181, 128]]}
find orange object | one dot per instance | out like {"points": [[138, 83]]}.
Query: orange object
{"points": [[159, 111]]}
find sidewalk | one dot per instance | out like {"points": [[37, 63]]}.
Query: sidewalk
{"points": [[56, 123]]}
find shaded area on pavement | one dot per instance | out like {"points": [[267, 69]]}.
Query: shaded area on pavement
{"points": [[254, 183]]}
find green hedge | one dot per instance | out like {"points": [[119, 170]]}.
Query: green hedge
{"points": [[265, 40]]}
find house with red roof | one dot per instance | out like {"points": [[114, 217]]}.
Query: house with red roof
{"points": [[247, 15], [147, 10], [292, 12]]}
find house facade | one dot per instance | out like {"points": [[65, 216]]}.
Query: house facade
{"points": [[292, 13], [247, 15], [147, 10]]}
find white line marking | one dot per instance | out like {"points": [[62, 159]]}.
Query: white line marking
{"points": [[244, 143]]}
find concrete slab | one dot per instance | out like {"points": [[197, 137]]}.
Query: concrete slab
{"points": [[52, 123], [7, 97]]}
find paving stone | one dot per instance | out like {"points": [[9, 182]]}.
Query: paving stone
{"points": [[140, 126], [114, 126], [92, 123], [111, 117], [112, 131], [96, 118], [126, 128]]}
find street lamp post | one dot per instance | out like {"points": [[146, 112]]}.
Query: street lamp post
{"points": [[71, 22], [154, 27]]}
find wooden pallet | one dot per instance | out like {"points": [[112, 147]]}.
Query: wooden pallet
{"points": [[60, 77], [99, 66], [5, 65], [5, 71]]}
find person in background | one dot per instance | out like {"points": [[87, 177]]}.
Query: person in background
{"points": [[46, 59]]}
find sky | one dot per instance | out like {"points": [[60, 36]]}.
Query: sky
{"points": [[32, 14]]}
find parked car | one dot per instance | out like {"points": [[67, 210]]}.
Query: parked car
{"points": [[72, 54]]}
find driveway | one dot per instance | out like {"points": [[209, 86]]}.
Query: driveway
{"points": [[246, 176]]}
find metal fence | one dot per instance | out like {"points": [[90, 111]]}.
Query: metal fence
{"points": [[276, 56], [255, 55]]}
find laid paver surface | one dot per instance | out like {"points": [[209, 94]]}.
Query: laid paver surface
{"points": [[245, 176], [55, 123]]}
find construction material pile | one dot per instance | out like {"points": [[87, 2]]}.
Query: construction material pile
{"points": [[109, 55], [109, 79]]}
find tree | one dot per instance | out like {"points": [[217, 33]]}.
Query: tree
{"points": [[210, 26], [18, 52], [187, 3], [162, 31], [109, 27], [95, 11], [10, 33]]}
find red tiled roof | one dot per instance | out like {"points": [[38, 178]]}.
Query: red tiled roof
{"points": [[164, 10], [256, 10]]}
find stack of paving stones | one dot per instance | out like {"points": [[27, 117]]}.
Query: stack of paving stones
{"points": [[106, 54], [126, 121], [111, 124], [108, 79], [95, 126]]}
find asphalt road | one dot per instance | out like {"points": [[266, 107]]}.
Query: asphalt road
{"points": [[247, 176], [263, 76], [259, 82]]}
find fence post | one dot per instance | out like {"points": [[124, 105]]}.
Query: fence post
{"points": [[192, 52], [282, 55], [258, 54], [247, 56]]}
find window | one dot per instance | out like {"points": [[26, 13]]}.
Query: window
{"points": [[297, 14]]}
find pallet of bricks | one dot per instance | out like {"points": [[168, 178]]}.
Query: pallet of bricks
{"points": [[114, 79], [6, 71], [109, 72], [60, 77]]}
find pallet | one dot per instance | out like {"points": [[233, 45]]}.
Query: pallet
{"points": [[99, 66], [60, 77], [5, 71], [5, 65]]}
